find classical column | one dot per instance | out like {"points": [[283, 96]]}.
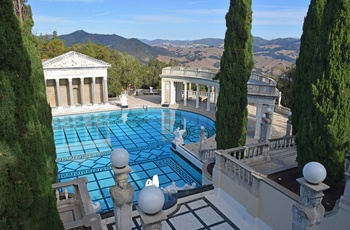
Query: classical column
{"points": [[185, 93], [93, 90], [197, 95], [105, 90], [258, 120], [272, 107], [70, 89], [213, 92], [58, 93], [216, 97], [208, 98], [289, 124], [172, 93], [82, 93], [163, 92]]}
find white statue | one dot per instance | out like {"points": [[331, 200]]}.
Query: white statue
{"points": [[173, 188], [178, 136], [153, 182], [124, 101]]}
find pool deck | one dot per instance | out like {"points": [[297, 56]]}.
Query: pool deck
{"points": [[203, 210]]}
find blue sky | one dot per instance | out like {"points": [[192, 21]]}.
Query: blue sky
{"points": [[164, 19]]}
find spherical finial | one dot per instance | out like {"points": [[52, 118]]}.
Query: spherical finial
{"points": [[120, 158], [314, 172], [268, 110], [151, 199]]}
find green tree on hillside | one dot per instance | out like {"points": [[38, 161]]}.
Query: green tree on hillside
{"points": [[235, 69], [27, 151], [324, 132], [153, 70]]}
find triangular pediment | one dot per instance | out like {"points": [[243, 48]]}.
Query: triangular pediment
{"points": [[74, 59]]}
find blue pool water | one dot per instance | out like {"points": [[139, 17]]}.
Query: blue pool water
{"points": [[84, 143]]}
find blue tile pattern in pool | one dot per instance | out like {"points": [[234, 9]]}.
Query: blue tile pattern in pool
{"points": [[84, 143]]}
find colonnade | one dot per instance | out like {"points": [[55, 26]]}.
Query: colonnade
{"points": [[182, 91], [63, 92]]}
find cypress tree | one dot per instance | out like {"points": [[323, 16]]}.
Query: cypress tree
{"points": [[235, 68], [27, 152], [308, 47], [326, 126]]}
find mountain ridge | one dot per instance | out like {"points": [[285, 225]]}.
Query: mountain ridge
{"points": [[271, 56]]}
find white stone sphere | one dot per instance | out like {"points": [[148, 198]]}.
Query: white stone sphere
{"points": [[151, 199], [314, 172], [268, 110], [120, 158]]}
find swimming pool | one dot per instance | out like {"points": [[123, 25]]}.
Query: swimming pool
{"points": [[84, 143]]}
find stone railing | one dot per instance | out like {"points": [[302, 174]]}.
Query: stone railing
{"points": [[262, 85], [257, 84], [190, 72], [206, 155], [282, 142], [74, 205], [237, 171], [256, 151]]}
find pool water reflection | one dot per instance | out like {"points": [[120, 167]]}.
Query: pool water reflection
{"points": [[84, 143]]}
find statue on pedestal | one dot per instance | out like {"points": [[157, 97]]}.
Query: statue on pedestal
{"points": [[178, 136], [265, 125], [123, 101], [123, 193], [202, 137]]}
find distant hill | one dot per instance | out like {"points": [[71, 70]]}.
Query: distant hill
{"points": [[133, 46], [270, 56]]}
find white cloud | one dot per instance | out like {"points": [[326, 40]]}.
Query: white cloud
{"points": [[49, 19]]}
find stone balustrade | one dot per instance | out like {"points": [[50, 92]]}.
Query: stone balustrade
{"points": [[190, 72], [256, 151], [237, 170], [206, 155], [74, 205], [257, 84], [282, 142]]}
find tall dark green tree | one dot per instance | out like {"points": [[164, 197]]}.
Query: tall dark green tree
{"points": [[305, 63], [27, 151], [235, 69], [325, 130]]}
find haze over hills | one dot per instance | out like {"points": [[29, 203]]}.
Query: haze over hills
{"points": [[271, 56]]}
